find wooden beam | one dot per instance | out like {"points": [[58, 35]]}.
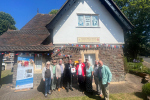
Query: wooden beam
{"points": [[1, 61]]}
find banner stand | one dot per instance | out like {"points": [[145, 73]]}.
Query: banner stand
{"points": [[22, 90]]}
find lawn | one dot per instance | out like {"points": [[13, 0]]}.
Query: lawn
{"points": [[117, 96], [6, 77]]}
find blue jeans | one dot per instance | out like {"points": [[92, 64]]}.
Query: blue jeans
{"points": [[47, 85]]}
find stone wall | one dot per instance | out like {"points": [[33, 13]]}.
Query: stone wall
{"points": [[14, 76], [37, 80], [66, 51], [112, 57]]}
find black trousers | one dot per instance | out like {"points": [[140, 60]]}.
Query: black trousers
{"points": [[81, 81], [69, 81], [60, 81]]}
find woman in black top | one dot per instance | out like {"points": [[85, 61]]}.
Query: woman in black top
{"points": [[47, 75]]}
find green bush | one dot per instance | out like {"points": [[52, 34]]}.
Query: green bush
{"points": [[146, 89], [126, 65], [141, 59], [147, 71]]}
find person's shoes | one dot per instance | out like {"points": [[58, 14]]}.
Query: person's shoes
{"points": [[100, 95], [54, 89], [63, 87], [82, 92], [49, 92], [67, 90], [71, 89], [45, 95], [58, 89]]}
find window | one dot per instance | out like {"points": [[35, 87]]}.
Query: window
{"points": [[38, 62], [80, 21], [88, 21]]}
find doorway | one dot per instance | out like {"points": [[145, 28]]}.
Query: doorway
{"points": [[91, 58]]}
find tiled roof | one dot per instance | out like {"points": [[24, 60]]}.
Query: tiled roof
{"points": [[29, 38], [23, 38], [27, 48], [38, 22]]}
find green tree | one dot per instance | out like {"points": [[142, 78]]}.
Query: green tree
{"points": [[6, 22], [53, 11], [137, 40]]}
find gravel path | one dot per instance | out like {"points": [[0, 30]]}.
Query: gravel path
{"points": [[131, 84]]}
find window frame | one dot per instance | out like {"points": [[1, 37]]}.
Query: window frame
{"points": [[91, 26], [36, 62]]}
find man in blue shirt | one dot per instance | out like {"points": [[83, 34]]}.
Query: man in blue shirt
{"points": [[105, 77]]}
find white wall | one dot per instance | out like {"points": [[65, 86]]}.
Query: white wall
{"points": [[66, 30]]}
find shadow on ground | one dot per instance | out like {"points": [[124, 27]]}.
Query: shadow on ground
{"points": [[140, 95], [7, 79], [40, 88], [94, 95]]}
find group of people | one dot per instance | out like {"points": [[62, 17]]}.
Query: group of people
{"points": [[53, 75]]}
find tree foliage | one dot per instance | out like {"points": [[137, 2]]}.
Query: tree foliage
{"points": [[138, 40], [6, 22], [53, 11]]}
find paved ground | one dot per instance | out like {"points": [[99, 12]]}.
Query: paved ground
{"points": [[146, 61], [147, 64], [132, 84]]}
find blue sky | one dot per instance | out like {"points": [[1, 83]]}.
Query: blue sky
{"points": [[24, 10]]}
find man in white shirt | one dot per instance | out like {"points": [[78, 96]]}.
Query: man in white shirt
{"points": [[96, 66]]}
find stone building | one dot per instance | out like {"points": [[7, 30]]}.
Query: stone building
{"points": [[92, 29]]}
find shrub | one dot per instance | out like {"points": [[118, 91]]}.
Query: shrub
{"points": [[146, 89], [141, 59], [126, 65]]}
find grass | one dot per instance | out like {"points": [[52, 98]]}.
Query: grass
{"points": [[5, 73], [116, 96], [6, 77]]}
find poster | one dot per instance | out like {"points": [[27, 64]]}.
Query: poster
{"points": [[25, 72], [80, 20], [87, 20], [95, 21], [73, 70]]}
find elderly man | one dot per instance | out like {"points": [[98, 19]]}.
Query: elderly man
{"points": [[96, 66], [105, 77], [60, 74], [68, 74], [53, 67], [80, 69], [86, 62]]}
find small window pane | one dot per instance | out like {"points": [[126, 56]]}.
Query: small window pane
{"points": [[87, 20], [80, 20], [95, 20]]}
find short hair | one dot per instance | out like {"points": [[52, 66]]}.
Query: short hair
{"points": [[60, 60], [79, 58], [96, 60], [48, 62], [70, 59], [88, 62]]}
